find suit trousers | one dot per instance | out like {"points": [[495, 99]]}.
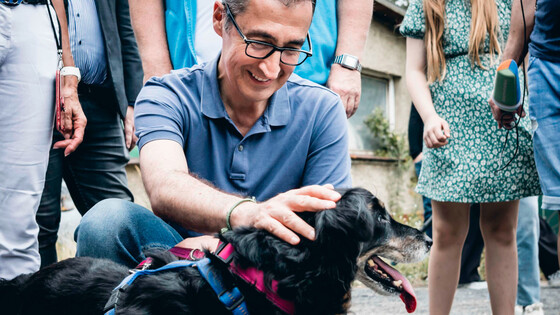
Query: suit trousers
{"points": [[94, 172], [28, 61]]}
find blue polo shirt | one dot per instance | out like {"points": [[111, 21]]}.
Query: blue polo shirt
{"points": [[301, 138]]}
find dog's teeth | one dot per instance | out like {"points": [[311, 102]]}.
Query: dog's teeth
{"points": [[397, 283], [371, 263]]}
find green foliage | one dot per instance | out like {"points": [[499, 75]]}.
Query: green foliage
{"points": [[389, 144]]}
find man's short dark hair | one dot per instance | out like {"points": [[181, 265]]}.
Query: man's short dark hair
{"points": [[239, 6]]}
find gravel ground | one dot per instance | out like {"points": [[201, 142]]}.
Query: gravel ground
{"points": [[467, 301]]}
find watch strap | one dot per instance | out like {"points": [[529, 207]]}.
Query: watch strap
{"points": [[75, 71], [348, 62]]}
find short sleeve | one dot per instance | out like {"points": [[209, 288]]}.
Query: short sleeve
{"points": [[328, 161], [413, 24], [158, 113]]}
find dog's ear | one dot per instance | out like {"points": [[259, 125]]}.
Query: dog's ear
{"points": [[352, 217]]}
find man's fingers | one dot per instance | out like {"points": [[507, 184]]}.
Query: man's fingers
{"points": [[70, 148], [302, 203], [76, 140], [73, 145], [128, 137], [67, 123], [134, 141], [317, 191], [356, 105], [349, 106], [276, 228], [296, 224], [61, 144]]}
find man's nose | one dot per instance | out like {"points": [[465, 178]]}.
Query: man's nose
{"points": [[271, 65]]}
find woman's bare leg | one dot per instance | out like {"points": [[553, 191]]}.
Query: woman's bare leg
{"points": [[498, 224], [450, 225]]}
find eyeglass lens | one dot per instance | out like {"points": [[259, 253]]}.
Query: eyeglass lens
{"points": [[261, 50]]}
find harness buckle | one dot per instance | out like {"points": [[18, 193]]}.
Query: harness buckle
{"points": [[236, 304], [224, 252]]}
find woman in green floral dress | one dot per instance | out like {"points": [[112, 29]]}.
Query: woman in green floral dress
{"points": [[452, 54]]}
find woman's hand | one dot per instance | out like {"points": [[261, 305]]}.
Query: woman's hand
{"points": [[436, 132]]}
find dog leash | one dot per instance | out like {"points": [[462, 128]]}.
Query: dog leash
{"points": [[232, 298]]}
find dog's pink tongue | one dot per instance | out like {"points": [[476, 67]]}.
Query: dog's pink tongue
{"points": [[407, 296]]}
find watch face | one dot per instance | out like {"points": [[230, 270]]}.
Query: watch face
{"points": [[350, 61]]}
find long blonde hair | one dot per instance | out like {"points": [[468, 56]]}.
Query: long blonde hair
{"points": [[484, 21]]}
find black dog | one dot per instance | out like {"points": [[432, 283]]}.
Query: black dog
{"points": [[315, 275]]}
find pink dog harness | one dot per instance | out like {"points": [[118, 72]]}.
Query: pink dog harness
{"points": [[254, 277]]}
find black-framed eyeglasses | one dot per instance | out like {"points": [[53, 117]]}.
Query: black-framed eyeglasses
{"points": [[262, 50]]}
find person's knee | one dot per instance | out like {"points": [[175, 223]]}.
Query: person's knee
{"points": [[501, 234], [446, 236], [104, 221]]}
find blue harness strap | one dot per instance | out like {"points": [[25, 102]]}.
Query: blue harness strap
{"points": [[232, 299]]}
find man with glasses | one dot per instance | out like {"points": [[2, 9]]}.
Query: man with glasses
{"points": [[237, 141], [179, 34]]}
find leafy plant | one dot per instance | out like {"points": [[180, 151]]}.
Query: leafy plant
{"points": [[389, 144]]}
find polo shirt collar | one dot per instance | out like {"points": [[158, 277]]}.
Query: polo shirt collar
{"points": [[277, 112], [210, 99]]}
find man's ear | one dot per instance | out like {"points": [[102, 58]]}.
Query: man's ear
{"points": [[219, 17]]}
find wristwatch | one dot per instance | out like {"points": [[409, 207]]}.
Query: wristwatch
{"points": [[71, 71], [348, 62]]}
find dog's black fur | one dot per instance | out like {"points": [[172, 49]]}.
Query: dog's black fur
{"points": [[316, 275]]}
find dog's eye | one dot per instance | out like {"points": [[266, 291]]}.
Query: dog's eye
{"points": [[382, 219]]}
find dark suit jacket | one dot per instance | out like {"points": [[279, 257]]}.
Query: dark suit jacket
{"points": [[123, 60]]}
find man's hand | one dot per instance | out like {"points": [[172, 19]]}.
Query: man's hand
{"points": [[436, 132], [200, 242], [348, 84], [504, 119], [129, 129], [277, 215], [73, 119]]}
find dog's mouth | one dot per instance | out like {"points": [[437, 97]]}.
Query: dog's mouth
{"points": [[391, 280]]}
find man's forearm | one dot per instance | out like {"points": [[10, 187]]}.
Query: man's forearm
{"points": [[518, 39], [178, 196], [148, 22], [193, 204], [354, 19]]}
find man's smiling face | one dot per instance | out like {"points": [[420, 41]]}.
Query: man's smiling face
{"points": [[248, 80]]}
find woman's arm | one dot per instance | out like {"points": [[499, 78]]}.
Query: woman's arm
{"points": [[436, 129]]}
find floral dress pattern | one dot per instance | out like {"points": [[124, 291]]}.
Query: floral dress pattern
{"points": [[470, 168]]}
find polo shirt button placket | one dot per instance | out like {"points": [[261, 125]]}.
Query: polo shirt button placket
{"points": [[239, 163]]}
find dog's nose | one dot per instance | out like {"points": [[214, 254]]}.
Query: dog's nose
{"points": [[428, 241]]}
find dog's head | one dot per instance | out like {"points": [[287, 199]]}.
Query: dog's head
{"points": [[317, 275], [391, 240]]}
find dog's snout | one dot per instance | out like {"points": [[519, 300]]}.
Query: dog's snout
{"points": [[428, 241]]}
